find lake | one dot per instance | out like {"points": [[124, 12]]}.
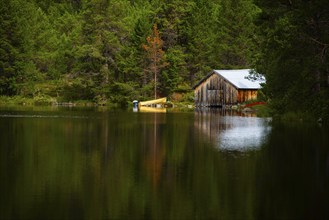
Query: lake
{"points": [[95, 163]]}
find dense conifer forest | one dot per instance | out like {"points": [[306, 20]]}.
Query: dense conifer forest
{"points": [[111, 51]]}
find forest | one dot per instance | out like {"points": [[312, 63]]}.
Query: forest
{"points": [[115, 51]]}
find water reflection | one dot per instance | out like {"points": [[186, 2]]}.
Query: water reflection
{"points": [[126, 165], [231, 130]]}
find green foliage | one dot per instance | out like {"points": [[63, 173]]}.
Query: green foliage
{"points": [[263, 110], [122, 94], [93, 50], [235, 38], [10, 45], [175, 72], [21, 100], [43, 100], [77, 89], [201, 40], [293, 56]]}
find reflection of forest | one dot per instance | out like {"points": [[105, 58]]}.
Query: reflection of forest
{"points": [[156, 166], [155, 152]]}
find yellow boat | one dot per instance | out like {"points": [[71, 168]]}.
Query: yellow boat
{"points": [[153, 102], [150, 109]]}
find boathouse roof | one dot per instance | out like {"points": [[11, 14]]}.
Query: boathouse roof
{"points": [[238, 78]]}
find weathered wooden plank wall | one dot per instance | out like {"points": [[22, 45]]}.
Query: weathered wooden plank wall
{"points": [[246, 94], [215, 91]]}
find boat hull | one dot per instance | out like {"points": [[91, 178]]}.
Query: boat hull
{"points": [[153, 102]]}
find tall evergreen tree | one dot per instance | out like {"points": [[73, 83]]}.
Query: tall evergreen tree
{"points": [[101, 30], [133, 61], [155, 56], [235, 33], [294, 55], [202, 34], [10, 48]]}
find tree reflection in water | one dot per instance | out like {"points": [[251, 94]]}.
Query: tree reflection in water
{"points": [[124, 165]]}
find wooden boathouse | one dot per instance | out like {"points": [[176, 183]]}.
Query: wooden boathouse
{"points": [[226, 87]]}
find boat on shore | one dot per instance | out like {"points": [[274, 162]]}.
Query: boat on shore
{"points": [[155, 105], [154, 102]]}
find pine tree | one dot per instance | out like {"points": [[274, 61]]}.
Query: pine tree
{"points": [[133, 61], [173, 18], [100, 44], [294, 55], [202, 32], [10, 48], [155, 56], [235, 33]]}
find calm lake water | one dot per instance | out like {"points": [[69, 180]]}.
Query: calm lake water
{"points": [[75, 163]]}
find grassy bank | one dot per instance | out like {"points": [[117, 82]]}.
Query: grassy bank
{"points": [[44, 100], [185, 105], [262, 110], [20, 100]]}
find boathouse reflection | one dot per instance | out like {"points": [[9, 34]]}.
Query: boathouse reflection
{"points": [[232, 130]]}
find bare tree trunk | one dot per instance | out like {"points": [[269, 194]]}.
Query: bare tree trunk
{"points": [[155, 83]]}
